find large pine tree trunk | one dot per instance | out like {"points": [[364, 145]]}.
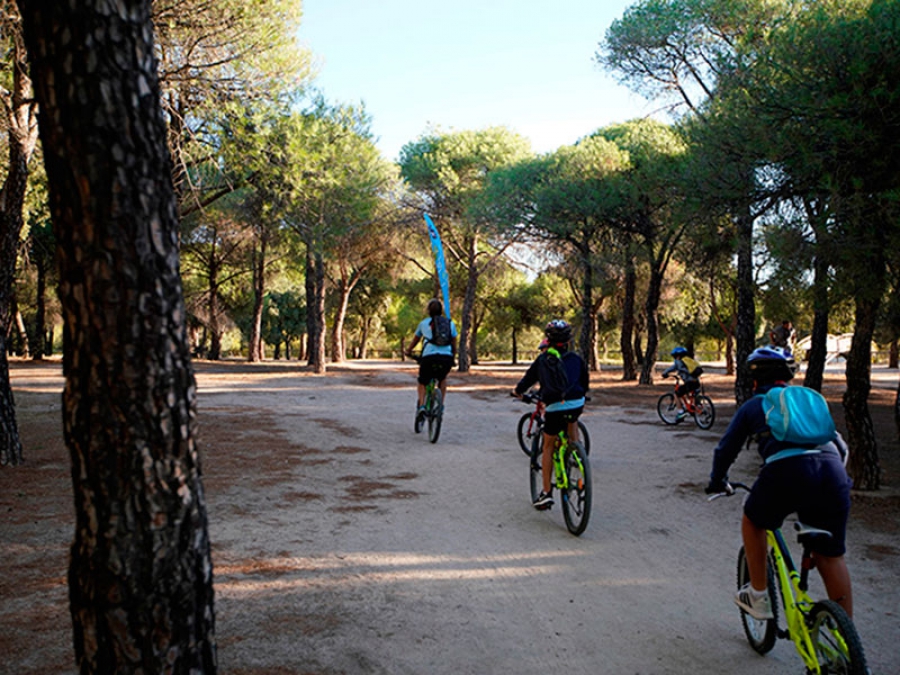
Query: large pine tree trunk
{"points": [[140, 574]]}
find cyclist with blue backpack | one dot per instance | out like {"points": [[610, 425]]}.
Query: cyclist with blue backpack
{"points": [[438, 333], [564, 380], [803, 473]]}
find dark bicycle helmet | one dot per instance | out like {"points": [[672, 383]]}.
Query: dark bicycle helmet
{"points": [[558, 332], [679, 351], [770, 364]]}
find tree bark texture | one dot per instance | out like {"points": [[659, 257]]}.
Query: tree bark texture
{"points": [[468, 307], [140, 574], [651, 313]]}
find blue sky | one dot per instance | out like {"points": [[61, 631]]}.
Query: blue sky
{"points": [[469, 64]]}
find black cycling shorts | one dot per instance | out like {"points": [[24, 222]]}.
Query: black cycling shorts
{"points": [[815, 487], [434, 366], [685, 387], [559, 420]]}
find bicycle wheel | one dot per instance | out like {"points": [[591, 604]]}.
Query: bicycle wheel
{"points": [[537, 480], [584, 437], [667, 407], [576, 499], [705, 416], [760, 634], [837, 644], [527, 430], [435, 416]]}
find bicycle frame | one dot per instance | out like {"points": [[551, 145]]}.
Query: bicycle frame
{"points": [[795, 599], [561, 476]]}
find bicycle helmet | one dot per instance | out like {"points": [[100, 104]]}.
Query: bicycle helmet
{"points": [[679, 352], [558, 332], [770, 364]]}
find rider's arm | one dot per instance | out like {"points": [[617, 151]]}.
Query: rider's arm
{"points": [[739, 429], [412, 345], [529, 379]]}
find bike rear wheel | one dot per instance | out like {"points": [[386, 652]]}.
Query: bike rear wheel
{"points": [[837, 644], [667, 407], [435, 415], [760, 634], [527, 430], [576, 498], [705, 415]]}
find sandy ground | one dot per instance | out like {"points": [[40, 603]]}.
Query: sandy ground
{"points": [[344, 543]]}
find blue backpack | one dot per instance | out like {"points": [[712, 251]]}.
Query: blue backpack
{"points": [[799, 415]]}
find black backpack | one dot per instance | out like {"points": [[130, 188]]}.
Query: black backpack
{"points": [[440, 331]]}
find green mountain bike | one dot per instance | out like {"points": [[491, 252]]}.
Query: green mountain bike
{"points": [[821, 631], [433, 412], [571, 476]]}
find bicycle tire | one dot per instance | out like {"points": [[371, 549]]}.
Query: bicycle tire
{"points": [[536, 477], [667, 408], [576, 499], [760, 634], [837, 644], [435, 416], [522, 431], [584, 437], [706, 415]]}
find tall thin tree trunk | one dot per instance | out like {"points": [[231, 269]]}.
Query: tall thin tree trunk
{"points": [[140, 570], [21, 121], [746, 308], [629, 372], [468, 307], [864, 467], [256, 351]]}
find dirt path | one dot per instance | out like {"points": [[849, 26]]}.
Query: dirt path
{"points": [[344, 543]]}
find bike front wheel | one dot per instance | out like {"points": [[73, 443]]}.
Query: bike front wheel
{"points": [[667, 407], [760, 634], [527, 430], [576, 497], [834, 637], [435, 416], [705, 415], [584, 437]]}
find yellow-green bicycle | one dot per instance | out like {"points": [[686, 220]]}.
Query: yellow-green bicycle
{"points": [[571, 477], [821, 631]]}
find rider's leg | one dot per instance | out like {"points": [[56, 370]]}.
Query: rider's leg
{"points": [[572, 431], [420, 390], [547, 460], [836, 577], [755, 551]]}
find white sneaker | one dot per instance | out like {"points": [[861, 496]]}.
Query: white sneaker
{"points": [[757, 606]]}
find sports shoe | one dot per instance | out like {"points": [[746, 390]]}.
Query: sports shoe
{"points": [[680, 415], [543, 501], [757, 606], [420, 418]]}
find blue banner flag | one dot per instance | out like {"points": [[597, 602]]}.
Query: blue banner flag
{"points": [[440, 264]]}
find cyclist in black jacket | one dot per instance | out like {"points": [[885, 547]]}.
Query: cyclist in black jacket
{"points": [[564, 381]]}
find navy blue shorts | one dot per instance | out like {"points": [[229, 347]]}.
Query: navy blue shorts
{"points": [[434, 366], [686, 387], [815, 487], [559, 420]]}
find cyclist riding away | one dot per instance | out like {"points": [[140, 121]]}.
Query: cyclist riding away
{"points": [[809, 481], [689, 381], [439, 351], [564, 381]]}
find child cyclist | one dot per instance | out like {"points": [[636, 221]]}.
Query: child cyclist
{"points": [[437, 358], [563, 400], [811, 482], [689, 382]]}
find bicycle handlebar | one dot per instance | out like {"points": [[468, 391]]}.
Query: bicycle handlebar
{"points": [[731, 489]]}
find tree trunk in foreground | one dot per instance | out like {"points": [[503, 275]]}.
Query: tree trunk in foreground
{"points": [[140, 574]]}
